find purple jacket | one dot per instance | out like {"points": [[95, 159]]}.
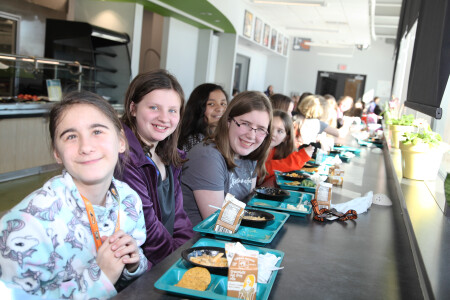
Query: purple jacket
{"points": [[141, 176]]}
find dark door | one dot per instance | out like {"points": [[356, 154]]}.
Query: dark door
{"points": [[340, 84]]}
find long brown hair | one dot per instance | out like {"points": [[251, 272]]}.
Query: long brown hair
{"points": [[141, 85], [287, 146], [243, 103], [280, 101], [84, 97]]}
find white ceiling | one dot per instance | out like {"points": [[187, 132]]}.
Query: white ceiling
{"points": [[338, 23]]}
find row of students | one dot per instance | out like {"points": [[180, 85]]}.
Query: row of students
{"points": [[50, 245]]}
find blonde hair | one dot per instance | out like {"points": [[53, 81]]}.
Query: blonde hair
{"points": [[311, 107]]}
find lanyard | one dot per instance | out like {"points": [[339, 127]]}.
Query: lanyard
{"points": [[94, 226]]}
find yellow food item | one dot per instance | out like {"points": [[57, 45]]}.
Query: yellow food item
{"points": [[293, 183], [252, 218], [210, 261], [294, 175], [196, 278]]}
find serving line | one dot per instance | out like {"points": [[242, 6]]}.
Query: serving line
{"points": [[365, 258]]}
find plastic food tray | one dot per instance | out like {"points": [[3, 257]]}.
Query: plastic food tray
{"points": [[248, 235], [282, 183], [350, 149], [217, 289], [367, 143], [294, 199]]}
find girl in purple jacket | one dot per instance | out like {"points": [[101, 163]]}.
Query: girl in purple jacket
{"points": [[154, 104]]}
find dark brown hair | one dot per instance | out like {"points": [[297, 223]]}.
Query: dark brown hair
{"points": [[84, 97], [141, 85], [194, 116], [280, 101], [243, 103], [287, 146]]}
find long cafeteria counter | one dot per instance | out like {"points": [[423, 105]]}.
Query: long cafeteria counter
{"points": [[371, 257]]}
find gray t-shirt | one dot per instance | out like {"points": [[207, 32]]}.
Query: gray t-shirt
{"points": [[206, 169]]}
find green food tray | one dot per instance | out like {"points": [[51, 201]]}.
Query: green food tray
{"points": [[350, 149], [282, 183], [295, 198], [217, 289], [367, 143], [248, 235]]}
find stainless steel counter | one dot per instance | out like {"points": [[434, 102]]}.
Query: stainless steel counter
{"points": [[21, 110], [368, 258]]}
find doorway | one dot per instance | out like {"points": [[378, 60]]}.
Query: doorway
{"points": [[241, 72], [340, 84]]}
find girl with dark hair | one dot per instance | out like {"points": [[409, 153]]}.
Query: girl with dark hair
{"points": [[204, 108], [79, 235], [282, 102], [230, 160], [283, 156], [154, 104]]}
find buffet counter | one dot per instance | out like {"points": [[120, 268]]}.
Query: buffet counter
{"points": [[366, 258]]}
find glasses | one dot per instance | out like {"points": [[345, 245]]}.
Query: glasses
{"points": [[260, 132]]}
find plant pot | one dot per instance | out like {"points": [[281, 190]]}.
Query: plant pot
{"points": [[397, 132], [421, 162]]}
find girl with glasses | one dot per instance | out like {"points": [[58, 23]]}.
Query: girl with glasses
{"points": [[154, 105], [230, 160], [79, 235]]}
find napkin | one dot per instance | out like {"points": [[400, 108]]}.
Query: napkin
{"points": [[360, 204]]}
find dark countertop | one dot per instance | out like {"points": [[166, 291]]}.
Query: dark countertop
{"points": [[368, 258]]}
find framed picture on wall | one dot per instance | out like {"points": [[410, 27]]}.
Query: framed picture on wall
{"points": [[301, 44], [266, 35], [280, 41], [248, 23], [285, 46], [258, 30], [273, 40]]}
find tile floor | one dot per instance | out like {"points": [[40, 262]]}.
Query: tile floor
{"points": [[12, 192]]}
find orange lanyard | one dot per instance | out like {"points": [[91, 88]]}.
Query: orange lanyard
{"points": [[94, 226]]}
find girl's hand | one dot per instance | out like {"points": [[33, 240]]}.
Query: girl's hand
{"points": [[108, 262], [310, 150], [126, 249]]}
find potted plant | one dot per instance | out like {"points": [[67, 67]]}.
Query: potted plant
{"points": [[398, 127], [422, 151]]}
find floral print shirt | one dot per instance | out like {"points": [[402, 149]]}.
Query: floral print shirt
{"points": [[46, 244]]}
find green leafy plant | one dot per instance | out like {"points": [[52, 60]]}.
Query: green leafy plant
{"points": [[405, 120], [424, 135]]}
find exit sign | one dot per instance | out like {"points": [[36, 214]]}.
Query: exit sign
{"points": [[342, 67]]}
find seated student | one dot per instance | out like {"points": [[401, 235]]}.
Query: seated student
{"points": [[282, 102], [204, 108], [154, 104], [345, 104], [80, 233], [230, 160], [311, 108], [283, 155]]}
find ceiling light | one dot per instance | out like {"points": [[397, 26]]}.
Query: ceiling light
{"points": [[314, 29], [329, 45], [302, 3]]}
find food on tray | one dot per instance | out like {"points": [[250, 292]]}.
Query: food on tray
{"points": [[253, 218], [293, 183], [293, 174], [304, 182], [299, 207], [28, 97], [196, 278], [211, 261]]}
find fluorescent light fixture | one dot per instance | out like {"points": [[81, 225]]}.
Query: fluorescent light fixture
{"points": [[329, 45], [298, 3], [335, 30], [47, 62], [7, 57], [108, 37], [335, 54]]}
